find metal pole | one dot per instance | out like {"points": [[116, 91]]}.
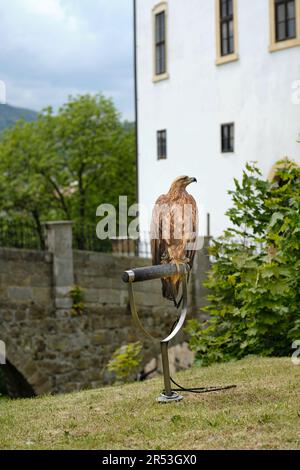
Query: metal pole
{"points": [[208, 226], [166, 369], [156, 272]]}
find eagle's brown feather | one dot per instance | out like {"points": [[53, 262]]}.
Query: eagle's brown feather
{"points": [[167, 224]]}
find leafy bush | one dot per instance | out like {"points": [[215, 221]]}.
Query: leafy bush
{"points": [[254, 281], [77, 296], [126, 362]]}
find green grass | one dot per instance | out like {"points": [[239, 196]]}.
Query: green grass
{"points": [[263, 412]]}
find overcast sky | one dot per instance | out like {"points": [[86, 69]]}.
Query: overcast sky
{"points": [[50, 49]]}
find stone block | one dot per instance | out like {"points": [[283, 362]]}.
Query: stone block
{"points": [[91, 295], [20, 315], [43, 387], [36, 313], [42, 295], [58, 343], [7, 315], [63, 271], [57, 366], [30, 368], [20, 294], [83, 363], [63, 303], [99, 338]]}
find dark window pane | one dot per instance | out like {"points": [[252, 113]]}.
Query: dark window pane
{"points": [[160, 59], [160, 27], [159, 54], [281, 31], [231, 138], [161, 144], [281, 13], [163, 59], [225, 50], [158, 145], [231, 44], [291, 10], [163, 27], [223, 8], [160, 49], [157, 60], [291, 29], [285, 18], [226, 27], [227, 138], [224, 31]]}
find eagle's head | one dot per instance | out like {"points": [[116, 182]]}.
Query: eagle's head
{"points": [[182, 182]]}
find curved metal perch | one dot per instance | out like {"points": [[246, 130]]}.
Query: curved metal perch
{"points": [[158, 272]]}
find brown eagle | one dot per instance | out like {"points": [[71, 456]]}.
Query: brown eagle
{"points": [[173, 235]]}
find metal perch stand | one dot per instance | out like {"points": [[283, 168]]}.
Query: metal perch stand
{"points": [[158, 272]]}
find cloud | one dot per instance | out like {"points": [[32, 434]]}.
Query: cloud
{"points": [[50, 49]]}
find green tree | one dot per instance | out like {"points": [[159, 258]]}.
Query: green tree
{"points": [[25, 194], [64, 165], [254, 281]]}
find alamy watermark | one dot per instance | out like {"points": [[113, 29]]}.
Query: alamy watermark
{"points": [[296, 92], [2, 92], [2, 353], [168, 221], [296, 354]]}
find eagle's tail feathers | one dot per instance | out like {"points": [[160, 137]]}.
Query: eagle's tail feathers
{"points": [[170, 291]]}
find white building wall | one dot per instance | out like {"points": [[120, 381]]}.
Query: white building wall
{"points": [[255, 92]]}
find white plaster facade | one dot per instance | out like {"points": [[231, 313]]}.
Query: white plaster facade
{"points": [[255, 92]]}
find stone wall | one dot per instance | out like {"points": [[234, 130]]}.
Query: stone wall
{"points": [[55, 350]]}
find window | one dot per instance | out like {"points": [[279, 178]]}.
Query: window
{"points": [[285, 19], [226, 27], [284, 24], [226, 30], [160, 41], [227, 138], [161, 145]]}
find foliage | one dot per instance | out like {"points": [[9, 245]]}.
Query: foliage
{"points": [[126, 362], [77, 295], [63, 166], [254, 281]]}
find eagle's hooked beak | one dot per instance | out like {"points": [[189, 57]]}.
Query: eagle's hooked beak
{"points": [[192, 180]]}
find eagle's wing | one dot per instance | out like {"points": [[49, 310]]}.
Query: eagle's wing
{"points": [[161, 246], [191, 236], [158, 244], [192, 242]]}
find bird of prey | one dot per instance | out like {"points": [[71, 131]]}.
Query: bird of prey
{"points": [[173, 232]]}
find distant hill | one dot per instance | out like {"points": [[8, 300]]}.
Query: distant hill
{"points": [[10, 114]]}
